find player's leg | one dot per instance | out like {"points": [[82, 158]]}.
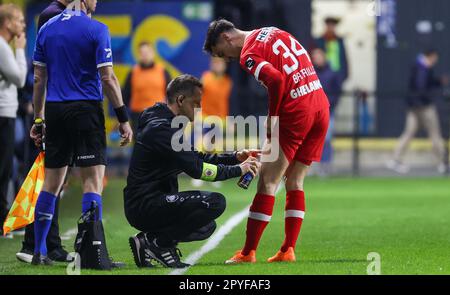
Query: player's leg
{"points": [[57, 158], [90, 151], [262, 206], [412, 125], [430, 120], [92, 182], [294, 210], [45, 207], [310, 150]]}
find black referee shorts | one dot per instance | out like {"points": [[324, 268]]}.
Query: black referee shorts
{"points": [[75, 134]]}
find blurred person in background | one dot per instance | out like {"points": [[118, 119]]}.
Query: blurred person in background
{"points": [[146, 83], [13, 71], [331, 84], [217, 86], [334, 48], [422, 111], [56, 251]]}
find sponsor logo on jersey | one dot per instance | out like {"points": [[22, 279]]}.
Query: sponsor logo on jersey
{"points": [[171, 198], [265, 32], [306, 89], [250, 63], [108, 52]]}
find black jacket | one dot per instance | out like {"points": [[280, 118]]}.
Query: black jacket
{"points": [[155, 166], [422, 85]]}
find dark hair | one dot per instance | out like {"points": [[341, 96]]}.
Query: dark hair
{"points": [[216, 28], [145, 43], [430, 51], [182, 85], [332, 20]]}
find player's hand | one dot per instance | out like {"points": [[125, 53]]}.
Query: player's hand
{"points": [[21, 41], [126, 133], [245, 154], [36, 136], [251, 165]]}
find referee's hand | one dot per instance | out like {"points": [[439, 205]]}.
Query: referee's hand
{"points": [[126, 133], [36, 136]]}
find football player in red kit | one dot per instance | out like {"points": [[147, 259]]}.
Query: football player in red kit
{"points": [[300, 107]]}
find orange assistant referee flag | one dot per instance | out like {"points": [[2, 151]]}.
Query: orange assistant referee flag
{"points": [[22, 211]]}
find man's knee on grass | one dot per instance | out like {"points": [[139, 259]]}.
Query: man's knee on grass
{"points": [[215, 204]]}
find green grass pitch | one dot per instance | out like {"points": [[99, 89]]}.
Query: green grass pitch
{"points": [[406, 221]]}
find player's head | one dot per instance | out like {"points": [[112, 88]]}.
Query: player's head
{"points": [[184, 95], [146, 53], [221, 40], [331, 23], [12, 19], [218, 66], [432, 56], [89, 5]]}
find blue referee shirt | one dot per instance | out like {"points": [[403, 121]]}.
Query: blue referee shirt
{"points": [[73, 47]]}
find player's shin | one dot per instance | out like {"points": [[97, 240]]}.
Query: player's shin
{"points": [[259, 216], [43, 215], [294, 214]]}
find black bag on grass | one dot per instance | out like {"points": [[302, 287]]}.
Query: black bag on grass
{"points": [[90, 242]]}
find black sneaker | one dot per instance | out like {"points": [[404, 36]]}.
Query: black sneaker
{"points": [[25, 255], [60, 255], [138, 244], [168, 257], [39, 259]]}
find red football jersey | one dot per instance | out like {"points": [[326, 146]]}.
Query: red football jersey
{"points": [[280, 63]]}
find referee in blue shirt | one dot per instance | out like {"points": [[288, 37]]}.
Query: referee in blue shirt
{"points": [[73, 60]]}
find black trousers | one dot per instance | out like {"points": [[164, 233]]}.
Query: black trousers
{"points": [[181, 217], [7, 129]]}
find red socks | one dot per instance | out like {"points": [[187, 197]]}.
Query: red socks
{"points": [[259, 217], [294, 214]]}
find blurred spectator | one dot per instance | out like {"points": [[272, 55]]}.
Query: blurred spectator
{"points": [[55, 8], [13, 71], [331, 84], [422, 111], [335, 51], [146, 83], [217, 87]]}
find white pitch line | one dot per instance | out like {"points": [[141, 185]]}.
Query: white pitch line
{"points": [[215, 240], [69, 234]]}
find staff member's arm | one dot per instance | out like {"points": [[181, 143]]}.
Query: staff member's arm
{"points": [[110, 83], [196, 164], [228, 159]]}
